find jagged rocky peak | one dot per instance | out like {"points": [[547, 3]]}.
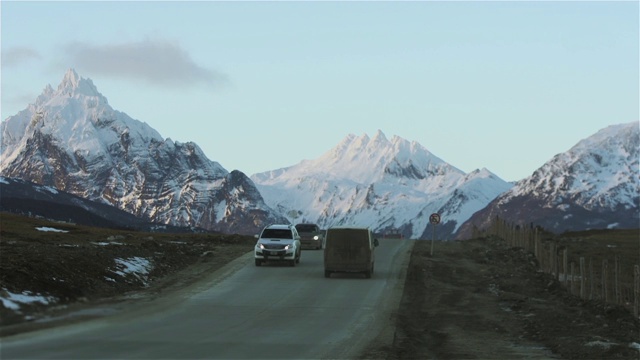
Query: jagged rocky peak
{"points": [[73, 84], [480, 173], [379, 139]]}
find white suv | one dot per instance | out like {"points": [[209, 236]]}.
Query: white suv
{"points": [[278, 243]]}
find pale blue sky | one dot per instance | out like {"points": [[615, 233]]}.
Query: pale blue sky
{"points": [[263, 85]]}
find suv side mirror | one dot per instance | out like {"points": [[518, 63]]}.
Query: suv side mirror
{"points": [[257, 236]]}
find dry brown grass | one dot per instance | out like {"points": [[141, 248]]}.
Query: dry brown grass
{"points": [[21, 228]]}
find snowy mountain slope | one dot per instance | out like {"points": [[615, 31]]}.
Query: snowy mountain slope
{"points": [[71, 139], [388, 185], [595, 184], [27, 198]]}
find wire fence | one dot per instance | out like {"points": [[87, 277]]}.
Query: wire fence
{"points": [[610, 280]]}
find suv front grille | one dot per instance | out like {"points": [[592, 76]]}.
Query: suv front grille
{"points": [[274, 246]]}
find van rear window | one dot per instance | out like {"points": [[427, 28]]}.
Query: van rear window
{"points": [[352, 235]]}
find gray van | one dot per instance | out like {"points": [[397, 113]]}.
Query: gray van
{"points": [[349, 249]]}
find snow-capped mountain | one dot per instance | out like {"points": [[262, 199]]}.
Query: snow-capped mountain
{"points": [[594, 185], [387, 185], [72, 140]]}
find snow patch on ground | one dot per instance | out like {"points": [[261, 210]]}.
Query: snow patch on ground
{"points": [[13, 301], [46, 228], [136, 266], [604, 344]]}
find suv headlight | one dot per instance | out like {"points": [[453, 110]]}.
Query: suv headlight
{"points": [[260, 246], [289, 247]]}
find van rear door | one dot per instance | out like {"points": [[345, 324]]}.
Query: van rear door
{"points": [[347, 250]]}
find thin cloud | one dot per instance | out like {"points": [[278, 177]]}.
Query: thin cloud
{"points": [[19, 55], [156, 62]]}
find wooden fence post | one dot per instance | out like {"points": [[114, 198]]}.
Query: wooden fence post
{"points": [[636, 290], [573, 278], [605, 271], [616, 284], [565, 260], [512, 234], [553, 259], [592, 280], [533, 239], [583, 279]]}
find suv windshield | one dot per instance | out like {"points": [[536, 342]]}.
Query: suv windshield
{"points": [[306, 228], [277, 234]]}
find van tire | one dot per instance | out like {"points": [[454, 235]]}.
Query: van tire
{"points": [[369, 272]]}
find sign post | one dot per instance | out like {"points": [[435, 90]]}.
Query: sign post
{"points": [[434, 219]]}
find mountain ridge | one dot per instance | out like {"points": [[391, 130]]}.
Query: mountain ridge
{"points": [[389, 185], [73, 140], [595, 184]]}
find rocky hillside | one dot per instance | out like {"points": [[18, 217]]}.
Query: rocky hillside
{"points": [[594, 185]]}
